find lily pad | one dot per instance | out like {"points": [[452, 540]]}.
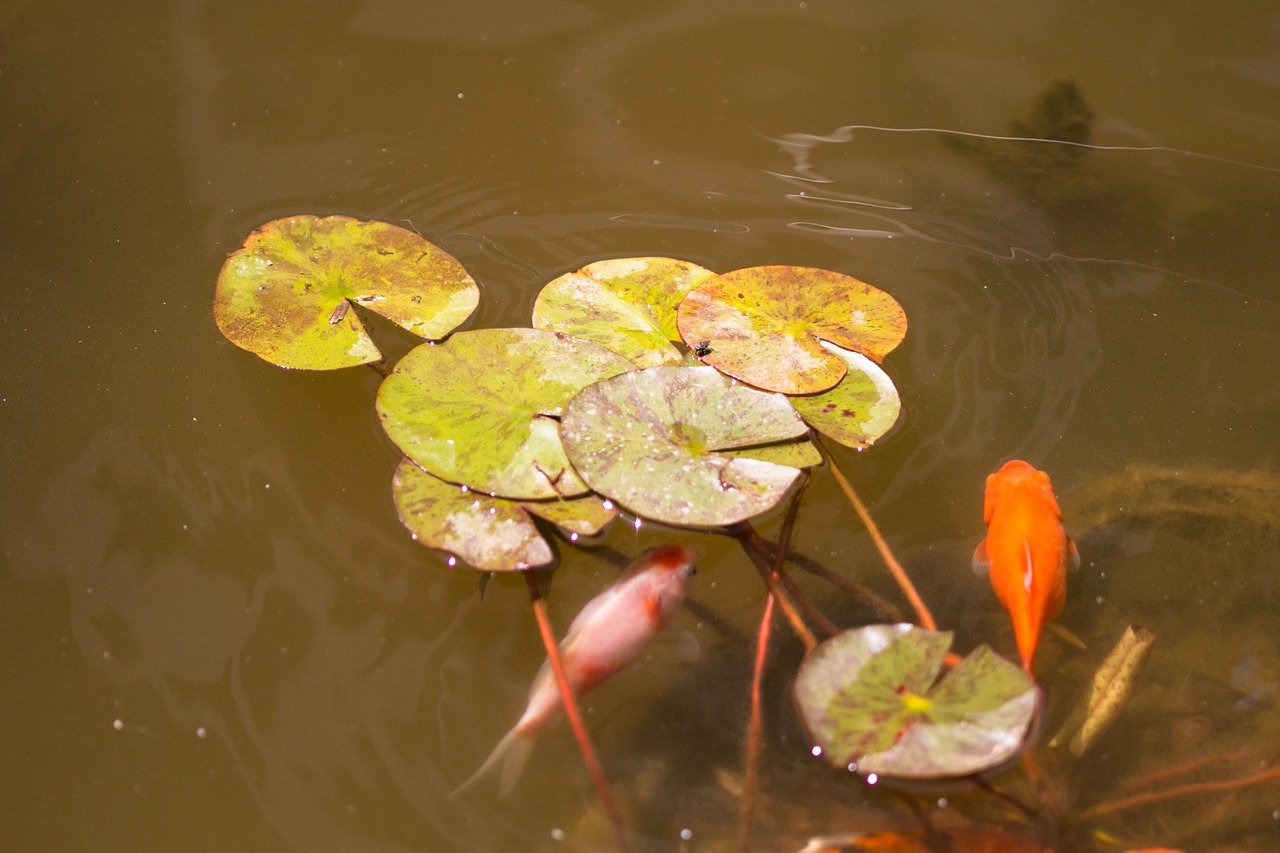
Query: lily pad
{"points": [[625, 304], [863, 407], [763, 325], [488, 533], [870, 702], [797, 454], [479, 409], [651, 441], [581, 516], [286, 295]]}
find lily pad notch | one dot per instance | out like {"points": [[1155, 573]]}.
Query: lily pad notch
{"points": [[287, 294]]}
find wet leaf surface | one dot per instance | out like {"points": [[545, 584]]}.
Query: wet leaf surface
{"points": [[286, 295], [625, 304], [480, 408], [486, 533], [763, 325], [859, 410], [869, 697], [651, 441]]}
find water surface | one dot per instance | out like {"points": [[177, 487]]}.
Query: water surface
{"points": [[218, 637]]}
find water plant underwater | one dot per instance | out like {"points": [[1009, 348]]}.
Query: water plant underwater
{"points": [[658, 388]]}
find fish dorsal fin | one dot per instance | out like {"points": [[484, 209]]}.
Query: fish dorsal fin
{"points": [[1028, 570], [980, 559]]}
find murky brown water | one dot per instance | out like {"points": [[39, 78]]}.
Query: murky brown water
{"points": [[216, 636]]}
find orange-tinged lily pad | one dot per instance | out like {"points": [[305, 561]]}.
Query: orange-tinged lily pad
{"points": [[764, 325]]}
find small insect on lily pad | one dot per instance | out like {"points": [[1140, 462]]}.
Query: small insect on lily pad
{"points": [[487, 533], [763, 325], [651, 441], [625, 304], [870, 701], [862, 408], [287, 294], [480, 408]]}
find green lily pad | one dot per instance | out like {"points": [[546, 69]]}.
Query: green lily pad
{"points": [[286, 295], [651, 441], [797, 454], [870, 702], [625, 304], [486, 533], [763, 325], [480, 408], [581, 516], [863, 407]]}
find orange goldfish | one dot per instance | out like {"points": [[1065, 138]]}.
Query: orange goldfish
{"points": [[1026, 550], [607, 635]]}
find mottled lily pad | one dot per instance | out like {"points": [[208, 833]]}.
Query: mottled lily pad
{"points": [[651, 441], [479, 409], [488, 533], [287, 294], [796, 454], [582, 516], [763, 325], [870, 702], [625, 304], [863, 407]]}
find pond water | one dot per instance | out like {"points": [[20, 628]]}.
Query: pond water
{"points": [[217, 636]]}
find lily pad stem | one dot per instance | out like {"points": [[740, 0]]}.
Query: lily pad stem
{"points": [[895, 568], [571, 711], [755, 728], [757, 550]]}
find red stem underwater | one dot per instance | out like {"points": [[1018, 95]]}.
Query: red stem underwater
{"points": [[571, 711], [755, 728]]}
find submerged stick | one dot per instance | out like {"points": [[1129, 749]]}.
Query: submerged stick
{"points": [[895, 568], [1189, 790], [571, 711]]}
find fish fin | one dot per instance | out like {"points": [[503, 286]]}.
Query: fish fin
{"points": [[1073, 555], [980, 560], [1028, 568], [508, 759]]}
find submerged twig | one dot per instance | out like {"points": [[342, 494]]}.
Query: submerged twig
{"points": [[895, 568], [1188, 790], [885, 610], [755, 727], [571, 711]]}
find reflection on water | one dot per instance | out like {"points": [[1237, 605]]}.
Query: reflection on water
{"points": [[301, 658], [220, 637]]}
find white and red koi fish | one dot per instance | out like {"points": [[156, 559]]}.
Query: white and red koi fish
{"points": [[607, 635], [1026, 551]]}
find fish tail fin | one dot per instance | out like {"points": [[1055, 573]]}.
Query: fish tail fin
{"points": [[508, 759]]}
